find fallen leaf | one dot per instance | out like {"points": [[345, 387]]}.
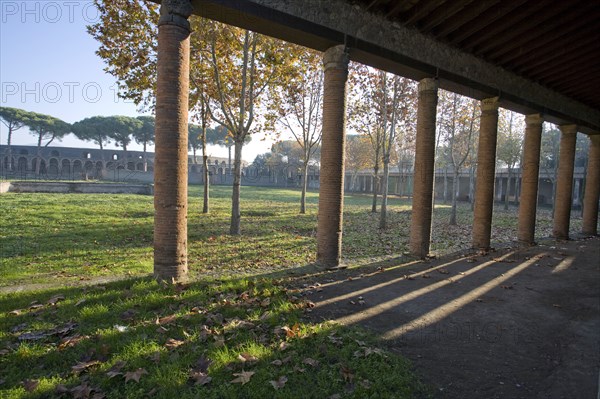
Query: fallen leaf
{"points": [[135, 375], [443, 271], [247, 357], [16, 312], [71, 341], [311, 362], [166, 319], [30, 385], [280, 383], [173, 343], [79, 302], [243, 377], [128, 314], [265, 302], [61, 389], [347, 374], [203, 364], [277, 362], [219, 341], [283, 345], [115, 370], [82, 366], [199, 377], [82, 391], [55, 299]]}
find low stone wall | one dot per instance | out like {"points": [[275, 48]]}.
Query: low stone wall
{"points": [[75, 187]]}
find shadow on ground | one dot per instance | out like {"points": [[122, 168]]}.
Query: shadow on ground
{"points": [[516, 323]]}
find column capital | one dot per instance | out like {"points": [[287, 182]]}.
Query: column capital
{"points": [[489, 104], [428, 84], [336, 57], [176, 12], [534, 119], [568, 129]]}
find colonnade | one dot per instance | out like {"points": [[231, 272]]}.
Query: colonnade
{"points": [[170, 232]]}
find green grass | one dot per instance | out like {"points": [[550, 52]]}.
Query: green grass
{"points": [[67, 238], [212, 322]]}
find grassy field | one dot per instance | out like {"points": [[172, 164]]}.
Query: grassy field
{"points": [[226, 335], [68, 238]]}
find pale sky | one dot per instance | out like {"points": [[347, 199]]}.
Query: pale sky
{"points": [[48, 65]]}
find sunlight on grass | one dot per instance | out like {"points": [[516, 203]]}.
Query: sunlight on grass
{"points": [[161, 341]]}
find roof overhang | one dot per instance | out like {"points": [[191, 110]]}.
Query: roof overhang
{"points": [[380, 42]]}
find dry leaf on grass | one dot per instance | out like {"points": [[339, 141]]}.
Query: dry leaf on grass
{"points": [[247, 358], [30, 385], [280, 383], [135, 375], [173, 343], [82, 366], [199, 377], [243, 377]]}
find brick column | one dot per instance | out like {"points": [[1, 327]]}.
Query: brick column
{"points": [[486, 169], [529, 179], [592, 188], [331, 191], [422, 203], [170, 164], [564, 183]]}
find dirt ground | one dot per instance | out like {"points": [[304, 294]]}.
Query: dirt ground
{"points": [[516, 323]]}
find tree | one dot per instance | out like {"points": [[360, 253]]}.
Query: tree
{"points": [[246, 65], [48, 128], [358, 156], [301, 113], [121, 130], [399, 111], [549, 155], [14, 119], [128, 45], [457, 121], [367, 113], [93, 129], [144, 135], [510, 146]]}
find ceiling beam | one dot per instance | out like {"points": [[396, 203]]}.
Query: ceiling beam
{"points": [[540, 40], [438, 16], [504, 26], [521, 29], [480, 24], [467, 16]]}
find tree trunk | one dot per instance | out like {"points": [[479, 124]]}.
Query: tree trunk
{"points": [[454, 197], [445, 185], [38, 161], [235, 196], [384, 195], [8, 150], [472, 187], [145, 159], [304, 185], [206, 178], [507, 191], [375, 188], [194, 155]]}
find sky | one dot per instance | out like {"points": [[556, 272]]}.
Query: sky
{"points": [[48, 65]]}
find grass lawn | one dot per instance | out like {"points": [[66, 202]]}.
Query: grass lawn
{"points": [[222, 336], [47, 238]]}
